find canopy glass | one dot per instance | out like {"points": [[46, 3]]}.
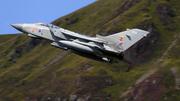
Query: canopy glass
{"points": [[47, 25]]}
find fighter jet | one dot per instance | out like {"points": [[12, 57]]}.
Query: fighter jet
{"points": [[102, 48]]}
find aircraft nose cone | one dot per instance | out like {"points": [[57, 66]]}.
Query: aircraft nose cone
{"points": [[17, 26]]}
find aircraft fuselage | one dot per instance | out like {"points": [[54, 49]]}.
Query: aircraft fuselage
{"points": [[97, 48]]}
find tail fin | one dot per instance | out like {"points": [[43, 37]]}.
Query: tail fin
{"points": [[123, 40]]}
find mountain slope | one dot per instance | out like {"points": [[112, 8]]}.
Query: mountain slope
{"points": [[33, 70]]}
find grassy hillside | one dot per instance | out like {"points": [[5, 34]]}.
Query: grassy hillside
{"points": [[32, 70]]}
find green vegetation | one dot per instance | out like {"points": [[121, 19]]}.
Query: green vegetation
{"points": [[25, 72]]}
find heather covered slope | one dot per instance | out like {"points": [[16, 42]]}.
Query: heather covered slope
{"points": [[30, 69]]}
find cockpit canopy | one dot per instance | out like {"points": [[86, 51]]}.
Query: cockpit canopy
{"points": [[47, 25]]}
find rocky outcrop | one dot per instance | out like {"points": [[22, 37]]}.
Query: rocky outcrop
{"points": [[3, 66], [127, 5], [26, 47], [73, 97], [165, 12], [175, 72], [150, 86], [69, 22], [58, 99]]}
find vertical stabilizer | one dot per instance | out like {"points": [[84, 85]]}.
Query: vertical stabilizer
{"points": [[123, 40]]}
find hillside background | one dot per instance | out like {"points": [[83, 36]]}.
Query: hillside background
{"points": [[32, 70]]}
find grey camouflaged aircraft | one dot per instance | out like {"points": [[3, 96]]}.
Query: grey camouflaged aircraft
{"points": [[102, 48]]}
